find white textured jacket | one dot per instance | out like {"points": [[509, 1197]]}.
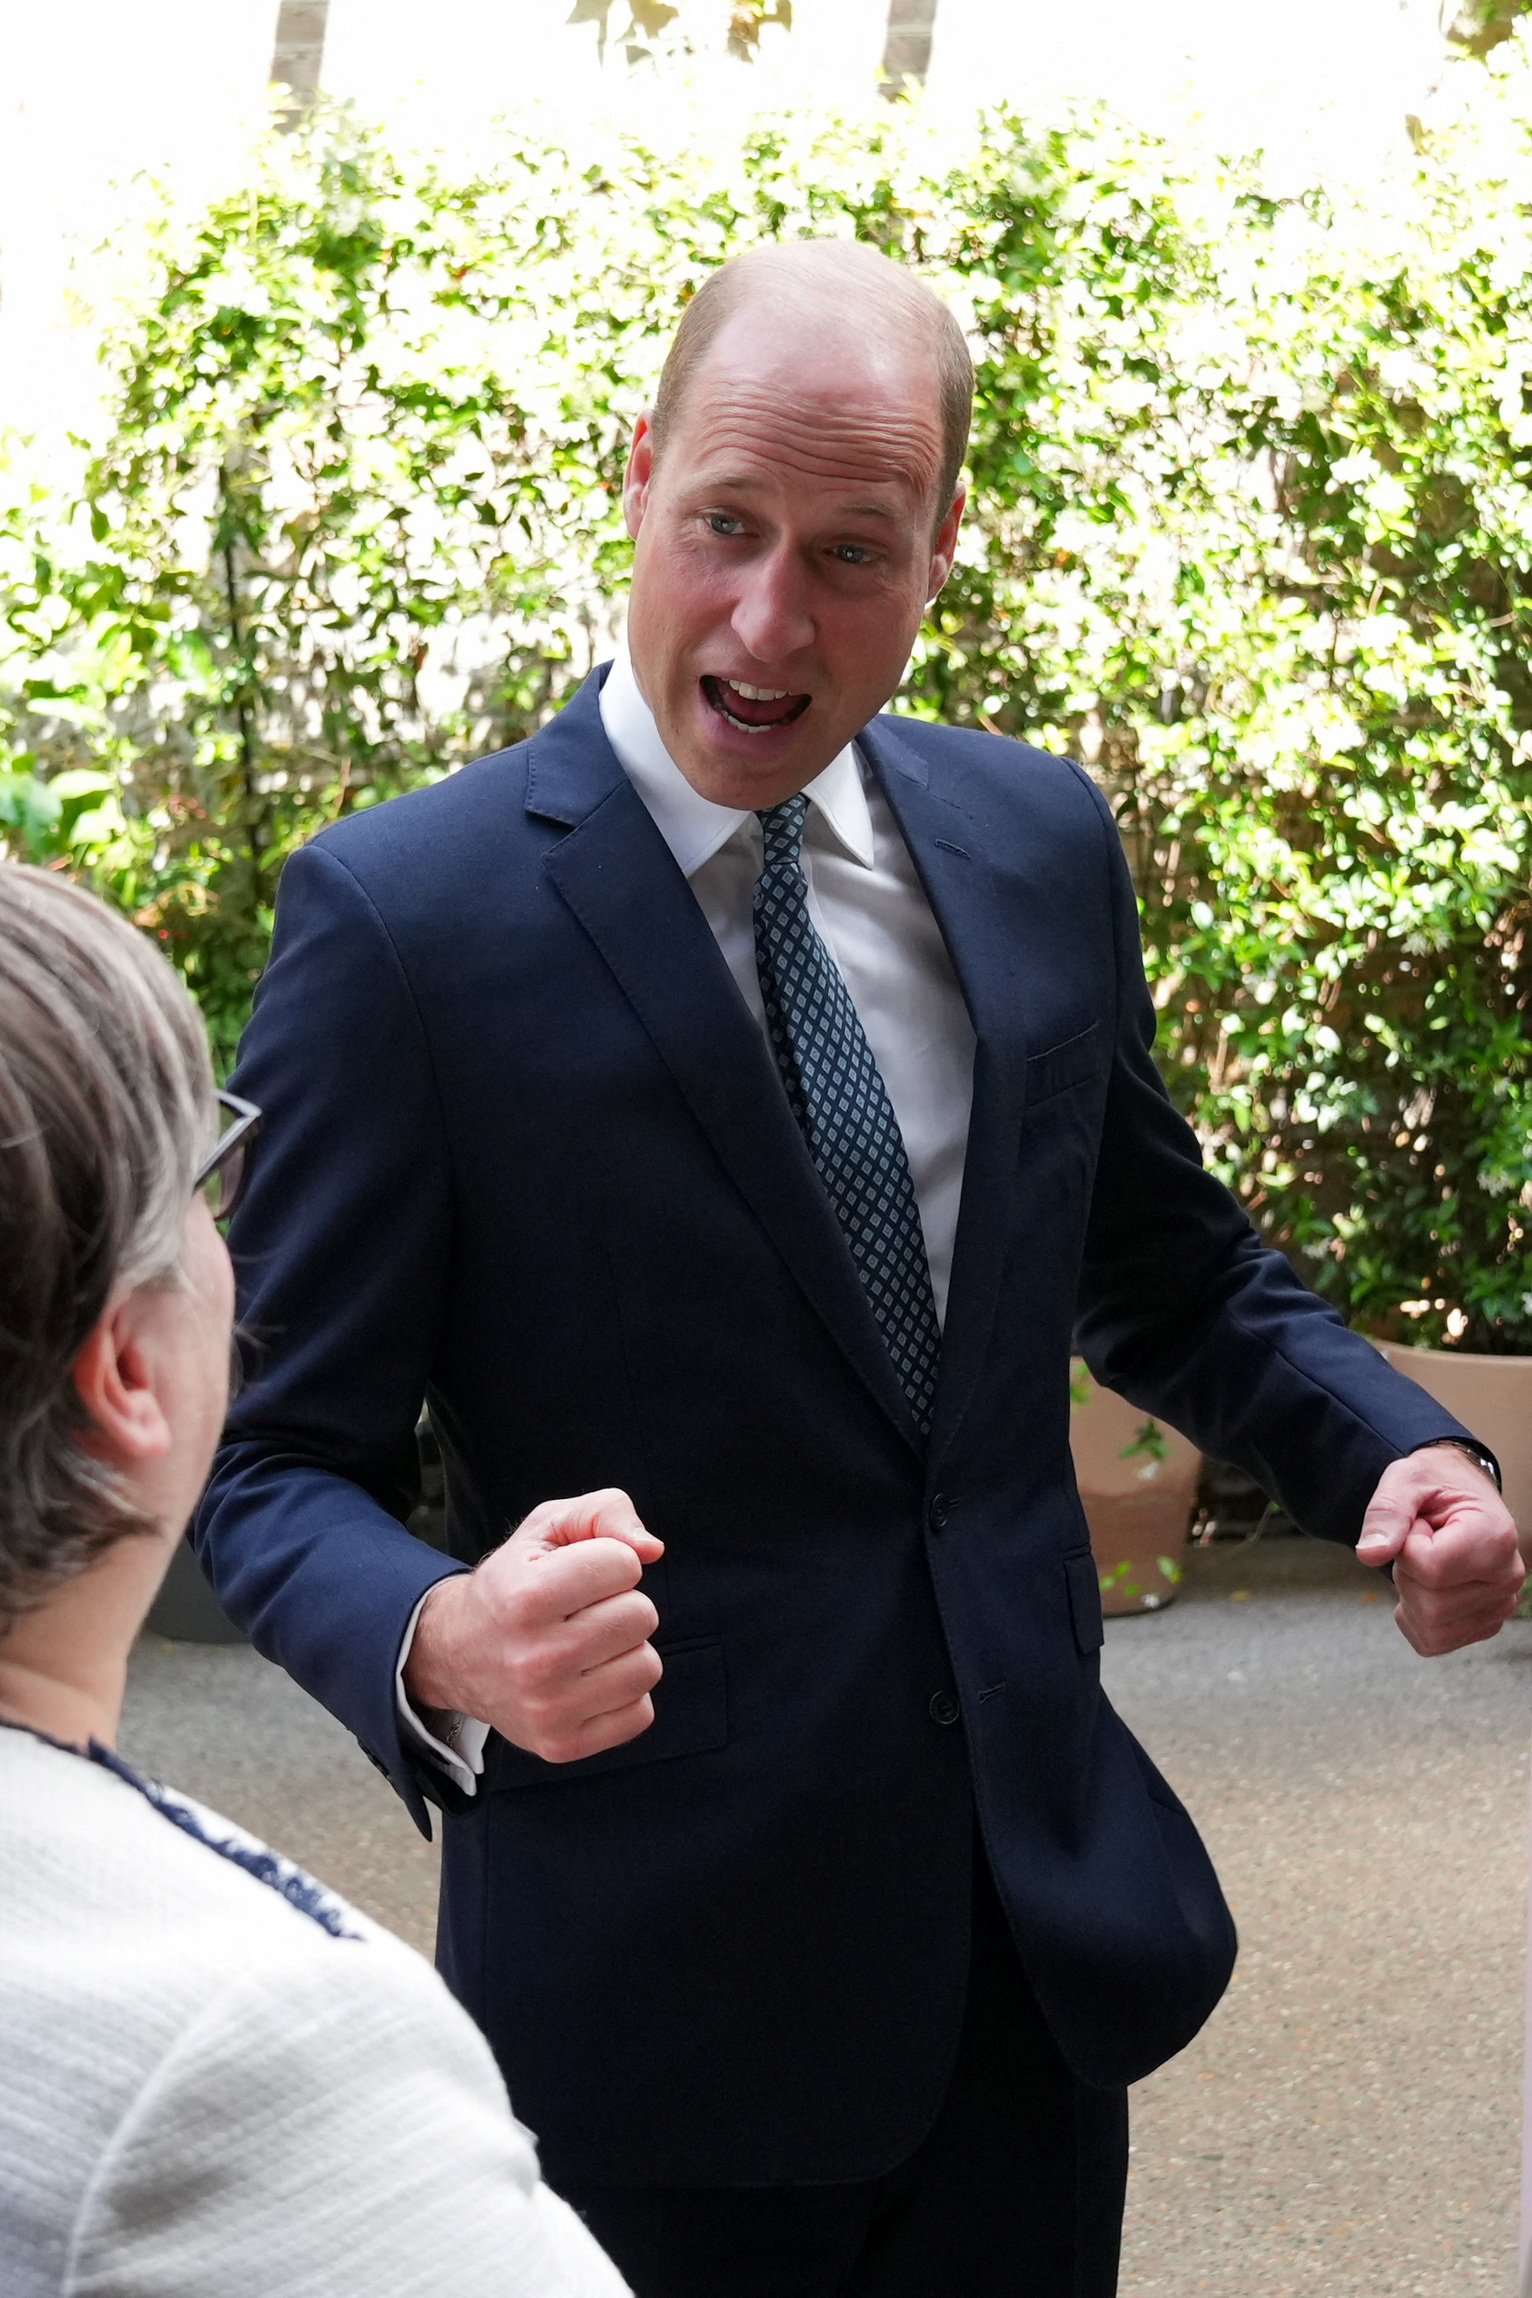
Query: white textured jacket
{"points": [[216, 2078]]}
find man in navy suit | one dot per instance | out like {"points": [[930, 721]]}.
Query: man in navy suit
{"points": [[726, 1106]]}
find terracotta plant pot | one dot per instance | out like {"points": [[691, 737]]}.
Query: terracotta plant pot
{"points": [[1492, 1395], [1138, 1485]]}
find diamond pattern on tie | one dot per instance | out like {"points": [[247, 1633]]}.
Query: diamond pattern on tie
{"points": [[841, 1103]]}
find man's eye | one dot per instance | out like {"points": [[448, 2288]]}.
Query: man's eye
{"points": [[723, 523], [852, 554]]}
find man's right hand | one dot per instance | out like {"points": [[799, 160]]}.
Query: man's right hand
{"points": [[547, 1640]]}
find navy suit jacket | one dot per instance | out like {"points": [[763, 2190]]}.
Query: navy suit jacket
{"points": [[526, 1155]]}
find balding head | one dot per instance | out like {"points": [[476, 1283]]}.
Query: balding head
{"points": [[846, 287]]}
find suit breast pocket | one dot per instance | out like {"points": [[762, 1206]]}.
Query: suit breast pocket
{"points": [[1074, 1061], [691, 1715]]}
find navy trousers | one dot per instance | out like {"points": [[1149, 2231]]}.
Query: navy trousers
{"points": [[1015, 2192]]}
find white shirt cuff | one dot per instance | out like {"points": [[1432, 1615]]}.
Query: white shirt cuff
{"points": [[460, 1749]]}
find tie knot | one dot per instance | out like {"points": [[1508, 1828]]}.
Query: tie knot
{"points": [[782, 831]]}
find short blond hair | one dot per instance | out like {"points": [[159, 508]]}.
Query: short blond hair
{"points": [[106, 1110]]}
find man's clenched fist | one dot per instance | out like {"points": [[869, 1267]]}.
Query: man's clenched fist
{"points": [[1439, 1521], [547, 1640]]}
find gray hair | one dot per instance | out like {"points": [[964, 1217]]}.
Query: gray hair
{"points": [[106, 1109]]}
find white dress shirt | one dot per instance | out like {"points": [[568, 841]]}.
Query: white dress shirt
{"points": [[871, 912]]}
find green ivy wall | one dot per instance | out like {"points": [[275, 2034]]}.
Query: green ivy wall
{"points": [[1251, 534]]}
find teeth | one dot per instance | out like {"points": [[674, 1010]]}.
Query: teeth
{"points": [[757, 693], [745, 728]]}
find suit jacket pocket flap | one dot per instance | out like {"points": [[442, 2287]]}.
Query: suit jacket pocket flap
{"points": [[691, 1714], [1060, 1066], [1084, 1584]]}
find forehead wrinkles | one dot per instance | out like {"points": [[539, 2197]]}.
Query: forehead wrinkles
{"points": [[820, 437]]}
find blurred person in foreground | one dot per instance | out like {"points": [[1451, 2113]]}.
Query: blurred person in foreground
{"points": [[726, 1105], [217, 2078]]}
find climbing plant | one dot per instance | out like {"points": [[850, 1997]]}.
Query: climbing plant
{"points": [[1250, 535]]}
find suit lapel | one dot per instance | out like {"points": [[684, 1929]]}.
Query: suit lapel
{"points": [[619, 878], [949, 849]]}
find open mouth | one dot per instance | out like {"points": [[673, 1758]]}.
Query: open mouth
{"points": [[753, 709]]}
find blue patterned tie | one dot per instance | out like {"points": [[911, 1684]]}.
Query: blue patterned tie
{"points": [[841, 1102]]}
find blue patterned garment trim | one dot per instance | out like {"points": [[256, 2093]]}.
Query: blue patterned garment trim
{"points": [[283, 1876], [841, 1103]]}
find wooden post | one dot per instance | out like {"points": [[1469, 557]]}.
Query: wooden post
{"points": [[297, 57], [907, 49]]}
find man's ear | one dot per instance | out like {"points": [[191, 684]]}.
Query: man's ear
{"points": [[113, 1377], [944, 549], [635, 485]]}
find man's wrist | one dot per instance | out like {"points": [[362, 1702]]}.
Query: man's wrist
{"points": [[425, 1674], [1479, 1454]]}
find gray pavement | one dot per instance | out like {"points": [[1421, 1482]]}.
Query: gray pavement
{"points": [[1348, 2122], [222, 1724]]}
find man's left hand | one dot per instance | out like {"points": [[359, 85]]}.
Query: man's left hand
{"points": [[1439, 1521]]}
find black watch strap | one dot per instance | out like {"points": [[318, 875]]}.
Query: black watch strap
{"points": [[1479, 1454]]}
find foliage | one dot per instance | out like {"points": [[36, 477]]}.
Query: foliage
{"points": [[1478, 26], [656, 27], [353, 525], [1263, 562], [1120, 1580], [1250, 535], [1147, 1444]]}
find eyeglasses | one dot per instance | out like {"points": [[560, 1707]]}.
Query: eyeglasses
{"points": [[222, 1173]]}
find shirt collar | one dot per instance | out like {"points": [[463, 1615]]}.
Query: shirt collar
{"points": [[691, 825]]}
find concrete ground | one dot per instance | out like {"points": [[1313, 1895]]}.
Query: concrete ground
{"points": [[224, 1725], [1348, 2122]]}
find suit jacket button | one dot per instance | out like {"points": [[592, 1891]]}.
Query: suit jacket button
{"points": [[944, 1708], [939, 1511]]}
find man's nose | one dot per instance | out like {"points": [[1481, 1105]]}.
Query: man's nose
{"points": [[772, 615]]}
